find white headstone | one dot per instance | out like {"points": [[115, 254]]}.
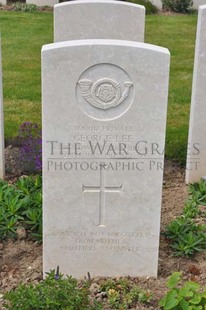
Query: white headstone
{"points": [[104, 119], [43, 2], [197, 3], [2, 161], [196, 156], [99, 19], [157, 3]]}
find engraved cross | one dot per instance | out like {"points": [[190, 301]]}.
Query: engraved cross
{"points": [[102, 190]]}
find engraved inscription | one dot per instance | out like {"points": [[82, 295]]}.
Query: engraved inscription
{"points": [[104, 93], [102, 189]]}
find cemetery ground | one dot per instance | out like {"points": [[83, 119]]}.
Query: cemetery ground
{"points": [[21, 257]]}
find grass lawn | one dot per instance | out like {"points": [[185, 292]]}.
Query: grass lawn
{"points": [[23, 34]]}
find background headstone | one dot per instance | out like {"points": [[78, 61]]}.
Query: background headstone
{"points": [[104, 120], [43, 2], [197, 3], [2, 161], [157, 3], [99, 19], [196, 157]]}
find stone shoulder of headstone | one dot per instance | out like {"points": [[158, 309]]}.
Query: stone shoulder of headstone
{"points": [[196, 153], [99, 19]]}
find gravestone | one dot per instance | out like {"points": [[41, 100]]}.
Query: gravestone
{"points": [[104, 119], [196, 156], [99, 19], [2, 161], [197, 3], [157, 3], [43, 2]]}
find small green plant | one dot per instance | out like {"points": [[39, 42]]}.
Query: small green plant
{"points": [[54, 293], [23, 7], [186, 237], [180, 6], [21, 205], [197, 192], [122, 294], [191, 210], [186, 297]]}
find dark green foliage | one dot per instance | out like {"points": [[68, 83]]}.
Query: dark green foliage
{"points": [[187, 237], [150, 8], [180, 6], [21, 205], [197, 192], [186, 297], [51, 294]]}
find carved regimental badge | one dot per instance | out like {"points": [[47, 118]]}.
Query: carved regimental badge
{"points": [[104, 93]]}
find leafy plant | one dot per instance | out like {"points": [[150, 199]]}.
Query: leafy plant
{"points": [[197, 192], [179, 226], [189, 244], [180, 6], [21, 205], [191, 209], [122, 294], [54, 293], [187, 297], [187, 237]]}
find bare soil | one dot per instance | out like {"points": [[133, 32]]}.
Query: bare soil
{"points": [[21, 260]]}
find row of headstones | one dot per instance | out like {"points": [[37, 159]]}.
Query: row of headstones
{"points": [[104, 119], [104, 97], [157, 3]]}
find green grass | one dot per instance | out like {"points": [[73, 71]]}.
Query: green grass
{"points": [[23, 34], [177, 33]]}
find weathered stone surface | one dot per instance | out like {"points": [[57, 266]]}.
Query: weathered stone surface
{"points": [[99, 19], [196, 156], [104, 119]]}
